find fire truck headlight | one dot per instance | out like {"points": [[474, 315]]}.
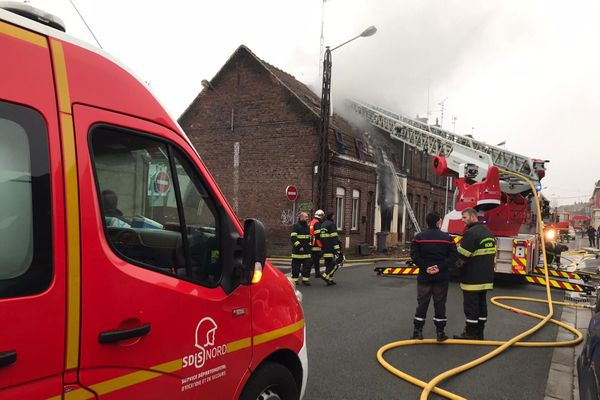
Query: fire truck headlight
{"points": [[550, 234]]}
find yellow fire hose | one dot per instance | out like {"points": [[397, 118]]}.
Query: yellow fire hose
{"points": [[431, 386]]}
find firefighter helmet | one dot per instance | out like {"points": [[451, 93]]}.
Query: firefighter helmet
{"points": [[319, 214]]}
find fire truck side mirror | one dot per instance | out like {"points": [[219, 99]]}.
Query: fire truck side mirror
{"points": [[254, 247]]}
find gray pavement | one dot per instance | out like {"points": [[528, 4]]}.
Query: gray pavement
{"points": [[348, 323], [562, 377]]}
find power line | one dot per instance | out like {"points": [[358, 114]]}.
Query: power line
{"points": [[86, 24]]}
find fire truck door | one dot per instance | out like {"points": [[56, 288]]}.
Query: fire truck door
{"points": [[156, 322]]}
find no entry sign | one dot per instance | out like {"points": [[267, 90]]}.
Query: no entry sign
{"points": [[162, 182], [291, 192]]}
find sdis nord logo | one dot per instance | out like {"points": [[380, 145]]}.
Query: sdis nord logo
{"points": [[206, 331]]}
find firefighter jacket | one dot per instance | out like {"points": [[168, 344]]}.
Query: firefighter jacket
{"points": [[553, 252], [477, 258], [315, 229], [329, 238], [300, 238], [433, 247]]}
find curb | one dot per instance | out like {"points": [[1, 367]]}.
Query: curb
{"points": [[562, 381]]}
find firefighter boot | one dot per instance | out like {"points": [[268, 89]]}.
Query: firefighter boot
{"points": [[306, 281], [418, 333], [480, 329], [328, 279], [470, 332], [441, 335]]}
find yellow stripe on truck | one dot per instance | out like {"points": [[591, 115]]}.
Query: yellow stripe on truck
{"points": [[62, 82], [23, 34], [278, 333], [124, 381], [72, 205]]}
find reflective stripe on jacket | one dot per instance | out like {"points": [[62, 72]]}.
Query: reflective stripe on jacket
{"points": [[300, 238], [477, 254], [329, 237]]}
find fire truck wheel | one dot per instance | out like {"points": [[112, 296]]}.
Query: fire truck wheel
{"points": [[271, 381]]}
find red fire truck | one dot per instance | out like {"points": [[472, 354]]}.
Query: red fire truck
{"points": [[504, 202], [124, 273]]}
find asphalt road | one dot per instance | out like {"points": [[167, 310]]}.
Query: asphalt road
{"points": [[348, 323]]}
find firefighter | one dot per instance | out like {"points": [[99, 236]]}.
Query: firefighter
{"points": [[300, 238], [315, 251], [434, 252], [553, 252], [476, 262], [332, 253], [592, 236]]}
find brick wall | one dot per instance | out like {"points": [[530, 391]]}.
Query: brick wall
{"points": [[351, 176]]}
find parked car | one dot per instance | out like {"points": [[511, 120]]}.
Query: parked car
{"points": [[589, 360]]}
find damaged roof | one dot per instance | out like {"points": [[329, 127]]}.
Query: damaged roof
{"points": [[345, 140]]}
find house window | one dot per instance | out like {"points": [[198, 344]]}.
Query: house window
{"points": [[339, 142], [425, 206], [340, 193], [355, 209], [360, 150], [423, 158], [417, 209]]}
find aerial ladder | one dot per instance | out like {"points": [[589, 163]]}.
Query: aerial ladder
{"points": [[504, 202]]}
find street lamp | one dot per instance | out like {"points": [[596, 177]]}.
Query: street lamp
{"points": [[325, 109]]}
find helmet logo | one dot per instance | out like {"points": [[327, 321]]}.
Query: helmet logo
{"points": [[205, 333], [204, 341]]}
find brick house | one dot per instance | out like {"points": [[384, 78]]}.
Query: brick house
{"points": [[257, 129]]}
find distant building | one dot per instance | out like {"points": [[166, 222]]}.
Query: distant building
{"points": [[595, 202]]}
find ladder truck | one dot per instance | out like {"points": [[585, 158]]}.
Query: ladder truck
{"points": [[504, 202]]}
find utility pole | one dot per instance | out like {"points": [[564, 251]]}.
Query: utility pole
{"points": [[322, 39], [324, 129]]}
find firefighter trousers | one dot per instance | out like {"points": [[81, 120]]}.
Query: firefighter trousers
{"points": [[439, 291], [592, 240], [330, 267], [301, 266], [316, 259], [475, 307]]}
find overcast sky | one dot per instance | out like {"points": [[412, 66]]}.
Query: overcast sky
{"points": [[524, 72]]}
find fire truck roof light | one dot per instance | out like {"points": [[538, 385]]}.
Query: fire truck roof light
{"points": [[34, 14]]}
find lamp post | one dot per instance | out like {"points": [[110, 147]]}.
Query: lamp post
{"points": [[325, 110]]}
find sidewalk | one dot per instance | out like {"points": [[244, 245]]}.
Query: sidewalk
{"points": [[563, 383], [562, 377]]}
